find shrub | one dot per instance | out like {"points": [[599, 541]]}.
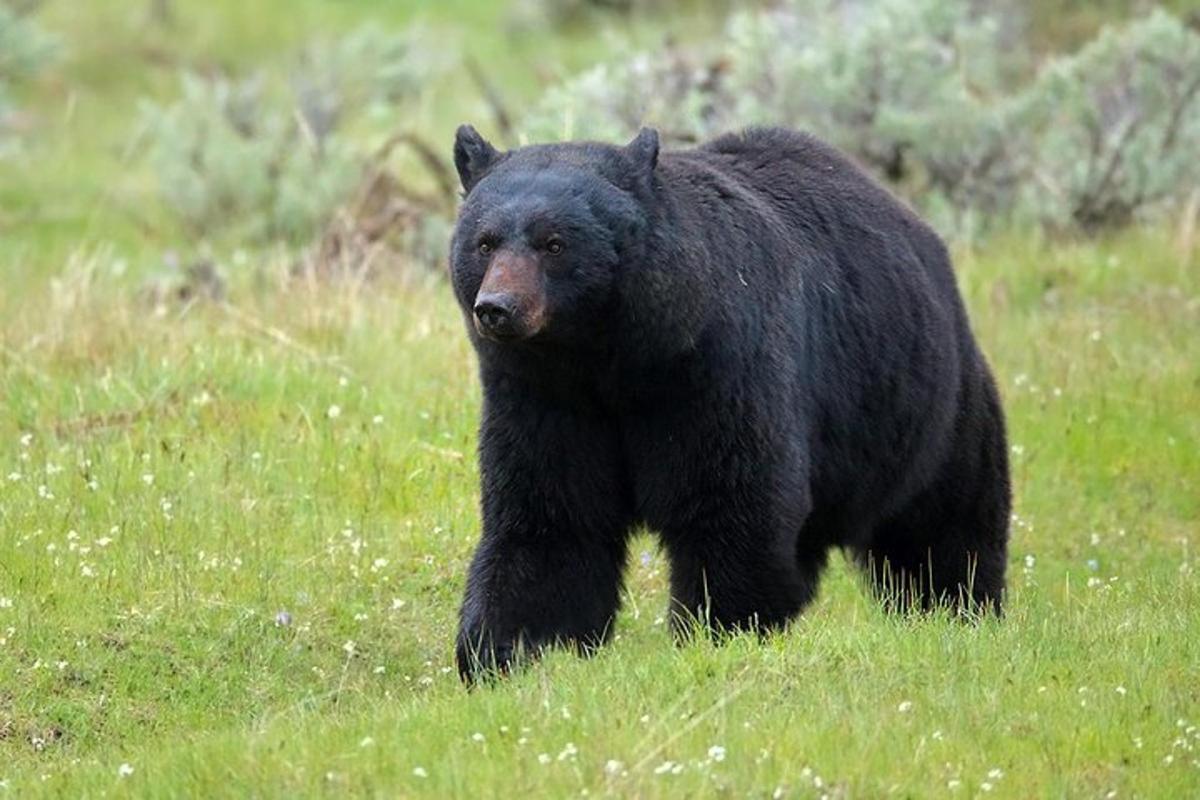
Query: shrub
{"points": [[933, 96], [1120, 131], [25, 49], [225, 157], [272, 159], [914, 89], [538, 15]]}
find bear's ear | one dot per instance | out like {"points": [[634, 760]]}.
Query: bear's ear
{"points": [[643, 150], [473, 156]]}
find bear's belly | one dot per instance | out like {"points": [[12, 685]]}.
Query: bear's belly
{"points": [[687, 467]]}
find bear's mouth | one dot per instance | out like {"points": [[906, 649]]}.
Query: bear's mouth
{"points": [[501, 336]]}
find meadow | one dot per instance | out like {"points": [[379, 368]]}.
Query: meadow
{"points": [[233, 534]]}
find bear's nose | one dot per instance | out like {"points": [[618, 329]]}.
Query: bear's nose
{"points": [[496, 314]]}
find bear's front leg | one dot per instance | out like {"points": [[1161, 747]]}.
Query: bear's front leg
{"points": [[555, 523], [743, 565], [523, 595]]}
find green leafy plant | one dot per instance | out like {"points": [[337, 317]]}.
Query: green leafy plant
{"points": [[25, 50], [935, 97], [274, 159], [1120, 126]]}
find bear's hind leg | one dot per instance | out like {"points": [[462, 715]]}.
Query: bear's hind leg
{"points": [[948, 547], [919, 560], [725, 579]]}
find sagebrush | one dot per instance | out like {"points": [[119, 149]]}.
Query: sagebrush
{"points": [[939, 97]]}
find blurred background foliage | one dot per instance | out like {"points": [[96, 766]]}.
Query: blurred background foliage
{"points": [[301, 128]]}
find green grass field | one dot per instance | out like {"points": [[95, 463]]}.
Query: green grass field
{"points": [[233, 537]]}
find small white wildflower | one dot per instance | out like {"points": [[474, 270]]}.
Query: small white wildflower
{"points": [[124, 770], [568, 752], [1121, 690], [985, 786], [953, 783], [716, 752], [477, 737], [148, 479], [905, 706], [380, 669], [398, 604], [349, 647], [613, 767], [334, 411], [664, 768], [377, 419], [6, 602], [995, 773], [1095, 336], [26, 439], [420, 772], [367, 741], [544, 758], [103, 541]]}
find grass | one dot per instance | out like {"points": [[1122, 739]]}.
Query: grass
{"points": [[169, 484], [233, 537]]}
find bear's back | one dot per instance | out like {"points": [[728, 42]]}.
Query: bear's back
{"points": [[817, 190], [799, 173]]}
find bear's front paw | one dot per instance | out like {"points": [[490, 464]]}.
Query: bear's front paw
{"points": [[481, 655]]}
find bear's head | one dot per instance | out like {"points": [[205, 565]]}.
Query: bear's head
{"points": [[544, 232]]}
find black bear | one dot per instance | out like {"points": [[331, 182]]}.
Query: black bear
{"points": [[749, 347]]}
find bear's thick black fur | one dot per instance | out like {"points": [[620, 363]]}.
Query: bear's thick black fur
{"points": [[749, 347]]}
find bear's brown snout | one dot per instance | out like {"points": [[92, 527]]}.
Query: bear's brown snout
{"points": [[511, 302]]}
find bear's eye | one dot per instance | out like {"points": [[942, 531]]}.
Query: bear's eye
{"points": [[554, 246], [485, 247]]}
